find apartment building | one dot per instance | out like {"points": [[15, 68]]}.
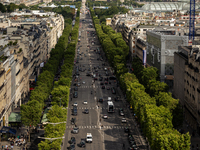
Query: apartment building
{"points": [[186, 83], [160, 47], [29, 46]]}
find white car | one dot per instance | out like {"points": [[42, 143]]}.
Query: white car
{"points": [[83, 82], [75, 104], [105, 69], [123, 120], [85, 102], [105, 117]]}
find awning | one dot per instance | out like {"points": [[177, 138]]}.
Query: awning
{"points": [[32, 78], [44, 117], [7, 130], [15, 117]]}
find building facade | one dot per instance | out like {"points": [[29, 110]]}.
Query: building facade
{"points": [[160, 47], [186, 83], [29, 46]]}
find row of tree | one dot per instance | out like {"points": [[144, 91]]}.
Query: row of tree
{"points": [[151, 103], [60, 97], [154, 114], [108, 13], [11, 7], [31, 112], [113, 44]]}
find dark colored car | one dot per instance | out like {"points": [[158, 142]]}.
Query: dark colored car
{"points": [[71, 147], [100, 99], [101, 79], [75, 94], [126, 130], [86, 111], [101, 83], [106, 82], [113, 90], [76, 89], [81, 144], [72, 140], [112, 78], [103, 87], [73, 120]]}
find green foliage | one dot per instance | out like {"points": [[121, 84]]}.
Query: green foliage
{"points": [[153, 109], [31, 113], [60, 95], [2, 8]]}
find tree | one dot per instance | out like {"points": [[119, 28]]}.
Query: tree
{"points": [[2, 8], [31, 114], [148, 74], [11, 7], [60, 95], [155, 87]]}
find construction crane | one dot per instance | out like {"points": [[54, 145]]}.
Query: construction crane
{"points": [[192, 20]]}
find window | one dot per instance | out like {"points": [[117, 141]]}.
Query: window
{"points": [[159, 57]]}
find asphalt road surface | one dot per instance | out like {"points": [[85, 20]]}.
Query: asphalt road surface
{"points": [[108, 134]]}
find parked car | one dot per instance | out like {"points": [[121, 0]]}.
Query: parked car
{"points": [[103, 87], [75, 104]]}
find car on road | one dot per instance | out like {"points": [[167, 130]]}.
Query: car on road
{"points": [[73, 120], [101, 79], [75, 94], [86, 111], [101, 83], [126, 130], [75, 130], [103, 87], [71, 147], [75, 104], [105, 69], [113, 90], [100, 99], [76, 88], [72, 140], [105, 116], [124, 120], [85, 102], [81, 144], [121, 112], [83, 82], [106, 82]]}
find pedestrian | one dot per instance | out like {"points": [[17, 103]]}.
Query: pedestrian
{"points": [[11, 146], [123, 146], [2, 147]]}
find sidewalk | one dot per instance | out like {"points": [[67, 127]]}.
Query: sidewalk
{"points": [[28, 145]]}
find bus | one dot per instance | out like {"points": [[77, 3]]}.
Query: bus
{"points": [[110, 106]]}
